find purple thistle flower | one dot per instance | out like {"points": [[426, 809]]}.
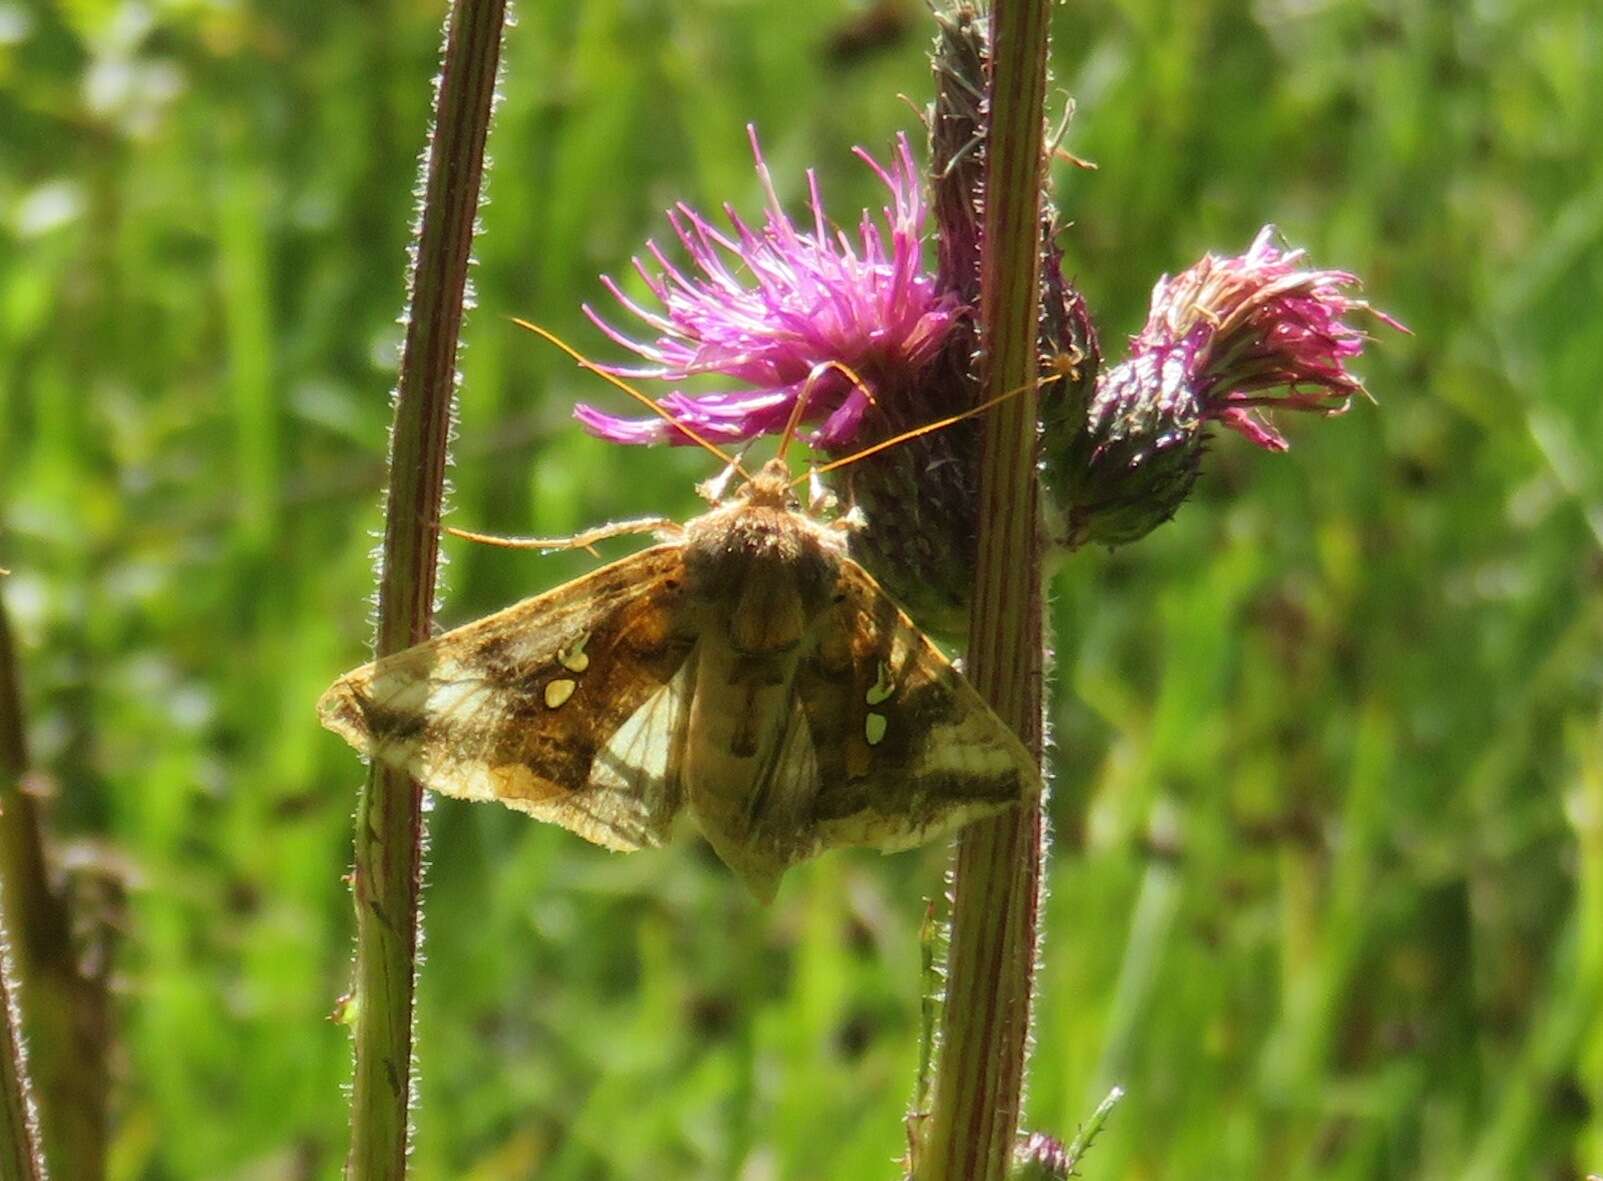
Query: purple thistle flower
{"points": [[1225, 339], [1256, 330], [777, 309]]}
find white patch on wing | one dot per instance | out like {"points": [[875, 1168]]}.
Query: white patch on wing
{"points": [[401, 690], [455, 698], [634, 780], [633, 790], [465, 779]]}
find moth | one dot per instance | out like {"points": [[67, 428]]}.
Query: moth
{"points": [[745, 672]]}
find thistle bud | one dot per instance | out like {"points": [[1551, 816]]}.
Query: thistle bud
{"points": [[1225, 340], [1135, 456], [1042, 1158], [920, 536], [920, 499]]}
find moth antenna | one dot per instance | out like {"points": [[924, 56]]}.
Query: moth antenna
{"points": [[929, 427], [800, 408], [585, 363]]}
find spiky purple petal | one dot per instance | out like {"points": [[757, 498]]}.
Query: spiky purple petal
{"points": [[1260, 329], [804, 304], [1225, 339]]}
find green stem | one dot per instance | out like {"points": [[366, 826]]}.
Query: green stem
{"points": [[389, 815], [67, 1012], [19, 1127], [974, 1120], [1086, 1136]]}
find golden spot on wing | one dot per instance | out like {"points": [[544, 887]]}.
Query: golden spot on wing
{"points": [[558, 691], [882, 688], [573, 658], [874, 727]]}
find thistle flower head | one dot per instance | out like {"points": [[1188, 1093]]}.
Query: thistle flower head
{"points": [[1254, 330], [1224, 339], [779, 310]]}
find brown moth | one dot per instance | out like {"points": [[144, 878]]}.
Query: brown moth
{"points": [[746, 672]]}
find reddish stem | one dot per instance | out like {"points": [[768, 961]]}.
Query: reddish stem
{"points": [[389, 815], [974, 1118]]}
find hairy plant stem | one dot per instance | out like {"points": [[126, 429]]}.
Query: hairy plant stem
{"points": [[973, 1121], [389, 815], [67, 1019], [19, 1126]]}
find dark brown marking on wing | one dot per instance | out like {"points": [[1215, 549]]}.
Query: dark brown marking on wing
{"points": [[394, 725], [893, 787], [492, 675], [634, 652]]}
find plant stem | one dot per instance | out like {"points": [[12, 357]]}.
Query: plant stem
{"points": [[1086, 1136], [996, 881], [19, 1125], [389, 816], [66, 1009]]}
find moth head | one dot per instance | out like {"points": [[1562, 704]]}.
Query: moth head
{"points": [[770, 487]]}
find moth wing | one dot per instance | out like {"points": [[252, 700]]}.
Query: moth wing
{"points": [[778, 829], [906, 750], [570, 706]]}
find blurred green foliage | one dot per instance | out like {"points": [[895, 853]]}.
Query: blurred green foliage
{"points": [[1326, 893]]}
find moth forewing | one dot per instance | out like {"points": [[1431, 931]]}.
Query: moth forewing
{"points": [[518, 706], [748, 672]]}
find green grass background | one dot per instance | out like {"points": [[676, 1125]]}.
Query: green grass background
{"points": [[1327, 892]]}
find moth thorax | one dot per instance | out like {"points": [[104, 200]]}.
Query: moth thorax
{"points": [[769, 573], [768, 615]]}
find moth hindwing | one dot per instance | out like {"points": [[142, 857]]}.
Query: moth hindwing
{"points": [[747, 672]]}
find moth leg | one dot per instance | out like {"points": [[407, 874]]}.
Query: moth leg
{"points": [[820, 500], [849, 521], [713, 490], [584, 541]]}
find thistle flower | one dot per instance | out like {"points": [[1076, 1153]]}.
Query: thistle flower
{"points": [[778, 309], [1224, 340], [1260, 330]]}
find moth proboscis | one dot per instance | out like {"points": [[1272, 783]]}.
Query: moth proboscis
{"points": [[745, 671]]}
